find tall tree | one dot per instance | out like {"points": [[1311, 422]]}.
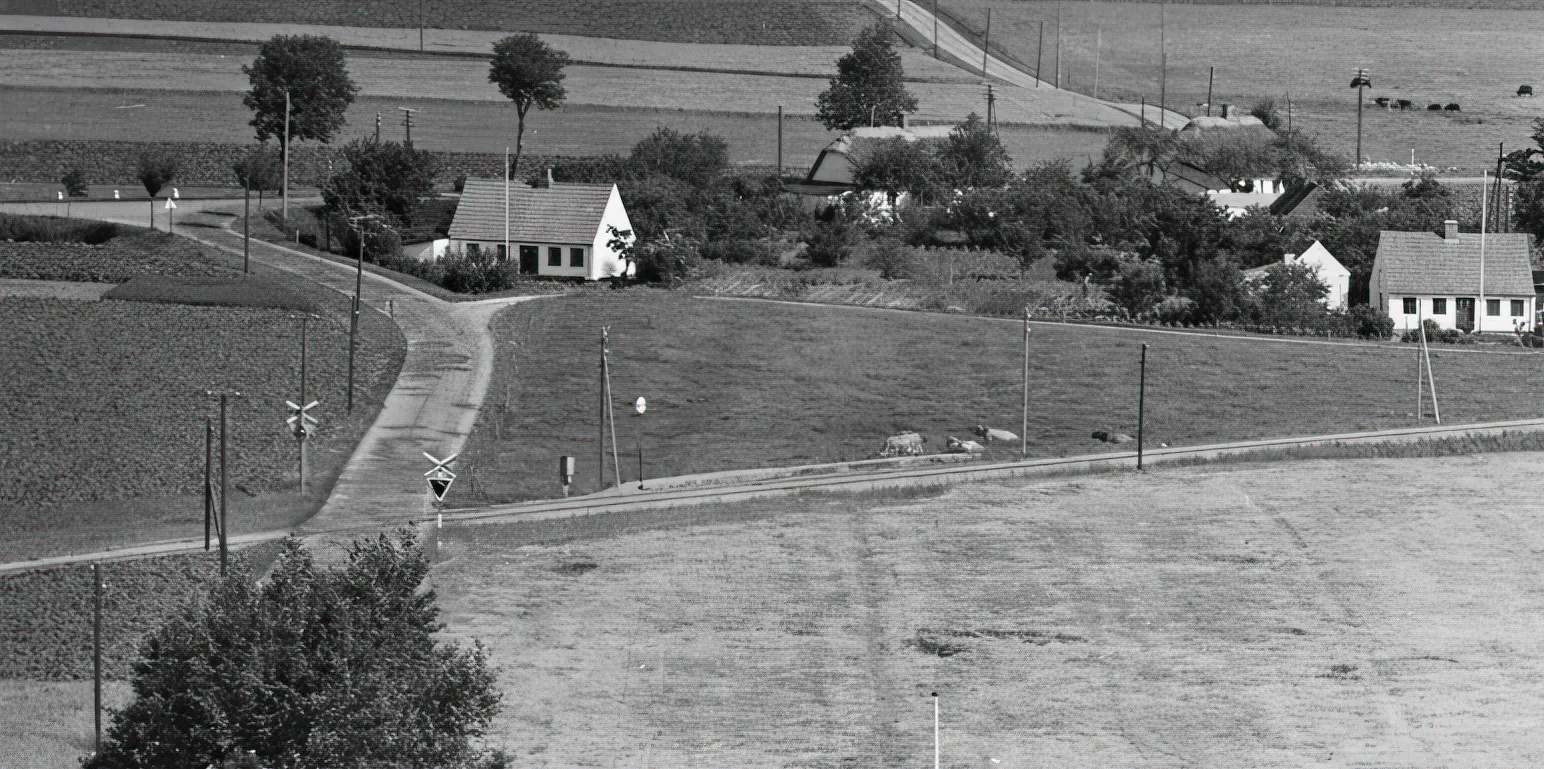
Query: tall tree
{"points": [[257, 170], [315, 668], [972, 155], [380, 177], [869, 87], [303, 78], [529, 73]]}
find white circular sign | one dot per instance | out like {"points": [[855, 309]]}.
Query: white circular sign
{"points": [[640, 405]]}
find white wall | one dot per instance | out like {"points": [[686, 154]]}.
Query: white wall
{"points": [[605, 262], [427, 251], [1492, 324]]}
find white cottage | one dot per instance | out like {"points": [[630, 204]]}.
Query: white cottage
{"points": [[562, 230], [1425, 276], [1326, 268]]}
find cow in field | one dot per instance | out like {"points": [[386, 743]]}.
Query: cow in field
{"points": [[990, 434], [1525, 90], [1434, 108], [1404, 104], [1452, 107], [1382, 101], [905, 444]]}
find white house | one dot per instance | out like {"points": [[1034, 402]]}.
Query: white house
{"points": [[1331, 273], [562, 230], [1424, 276]]}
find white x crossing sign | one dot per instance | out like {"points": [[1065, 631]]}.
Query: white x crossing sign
{"points": [[300, 422], [440, 477]]}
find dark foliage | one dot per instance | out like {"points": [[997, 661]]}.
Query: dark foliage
{"points": [[311, 69], [156, 170], [869, 87], [74, 181], [380, 177]]}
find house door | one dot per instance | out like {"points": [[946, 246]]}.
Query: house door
{"points": [[528, 257], [1465, 310]]}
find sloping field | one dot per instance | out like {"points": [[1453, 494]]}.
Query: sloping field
{"points": [[765, 22], [1336, 613], [734, 384], [1474, 57]]}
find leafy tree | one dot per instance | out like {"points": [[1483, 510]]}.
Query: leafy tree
{"points": [[157, 168], [257, 170], [830, 243], [973, 156], [529, 73], [1290, 295], [1528, 208], [311, 70], [1265, 111], [380, 177], [896, 165], [315, 668], [869, 87], [1216, 287], [697, 159], [74, 181], [1138, 287], [1527, 164]]}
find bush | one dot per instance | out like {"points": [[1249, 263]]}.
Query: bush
{"points": [[157, 169], [830, 243], [382, 243], [74, 181], [1435, 334], [891, 258], [1369, 322], [52, 229], [693, 158]]}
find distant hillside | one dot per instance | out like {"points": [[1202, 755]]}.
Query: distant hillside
{"points": [[761, 22]]}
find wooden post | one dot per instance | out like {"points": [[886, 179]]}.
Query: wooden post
{"points": [[1024, 427], [1141, 404], [1058, 42], [935, 29], [986, 42], [224, 477], [300, 421], [208, 481], [1098, 44], [1163, 64], [780, 146], [1039, 54], [1420, 366], [96, 652], [246, 228], [1211, 76], [601, 443], [1431, 380], [284, 210]]}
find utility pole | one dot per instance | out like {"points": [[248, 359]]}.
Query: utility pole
{"points": [[1479, 309], [1211, 76], [377, 127], [420, 26], [1058, 42], [1098, 44], [986, 41], [1503, 221], [208, 481], [353, 325], [506, 219], [300, 422], [1024, 431], [1039, 54], [897, 10], [223, 522], [284, 209], [1361, 83], [601, 443], [935, 29], [96, 652], [991, 109], [1141, 404], [407, 124], [1289, 112], [1163, 64], [246, 228], [780, 146]]}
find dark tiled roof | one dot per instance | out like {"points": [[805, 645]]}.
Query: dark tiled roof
{"points": [[562, 213], [1302, 200], [1427, 263], [1188, 177]]}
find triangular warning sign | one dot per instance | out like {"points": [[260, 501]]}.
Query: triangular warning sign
{"points": [[439, 486]]}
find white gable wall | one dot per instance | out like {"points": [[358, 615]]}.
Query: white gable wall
{"points": [[605, 262], [1330, 271]]}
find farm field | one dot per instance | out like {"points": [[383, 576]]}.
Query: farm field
{"points": [[1343, 613], [105, 400], [763, 22], [1475, 57], [464, 126], [734, 384]]}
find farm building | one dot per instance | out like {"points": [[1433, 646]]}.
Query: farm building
{"points": [[561, 230], [1421, 275], [1329, 270], [1233, 197], [1301, 201], [832, 171]]}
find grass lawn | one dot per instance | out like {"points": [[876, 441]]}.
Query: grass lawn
{"points": [[1346, 613], [47, 724], [1473, 56], [747, 384], [105, 402]]}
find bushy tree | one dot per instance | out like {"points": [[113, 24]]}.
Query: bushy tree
{"points": [[74, 181], [696, 159], [380, 177], [1138, 286], [257, 170], [311, 69], [333, 668], [157, 168], [1266, 112], [529, 73], [973, 156], [1290, 295], [896, 165], [869, 87]]}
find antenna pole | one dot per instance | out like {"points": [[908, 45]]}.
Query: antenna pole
{"points": [[1211, 76], [1058, 42], [986, 42], [1024, 428], [1039, 53]]}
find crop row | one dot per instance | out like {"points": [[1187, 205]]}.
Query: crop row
{"points": [[760, 22], [138, 252]]}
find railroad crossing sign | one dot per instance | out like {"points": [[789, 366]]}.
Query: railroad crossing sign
{"points": [[440, 477], [300, 419], [170, 205]]}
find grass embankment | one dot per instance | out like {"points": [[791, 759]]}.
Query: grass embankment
{"points": [[1373, 612], [735, 384], [105, 402]]}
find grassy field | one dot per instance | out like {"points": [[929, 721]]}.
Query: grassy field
{"points": [[736, 385], [1346, 613], [1474, 57], [105, 401], [468, 126], [764, 22]]}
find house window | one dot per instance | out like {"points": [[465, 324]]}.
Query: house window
{"points": [[474, 250], [1517, 308], [1492, 306], [554, 256], [1410, 307], [502, 253], [575, 257], [1439, 306]]}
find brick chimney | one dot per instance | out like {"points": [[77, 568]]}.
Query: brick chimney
{"points": [[1450, 229]]}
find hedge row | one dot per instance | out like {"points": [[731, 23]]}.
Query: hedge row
{"points": [[116, 162]]}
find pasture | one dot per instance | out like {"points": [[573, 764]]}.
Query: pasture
{"points": [[1475, 57], [105, 402], [1348, 613], [735, 384]]}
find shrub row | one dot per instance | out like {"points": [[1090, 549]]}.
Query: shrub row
{"points": [[117, 162]]}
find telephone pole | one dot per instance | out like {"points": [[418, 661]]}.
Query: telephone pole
{"points": [[1163, 64], [1211, 76], [284, 209], [223, 525], [96, 652], [1024, 428], [1039, 54], [986, 41], [1361, 83], [1058, 42], [407, 124]]}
